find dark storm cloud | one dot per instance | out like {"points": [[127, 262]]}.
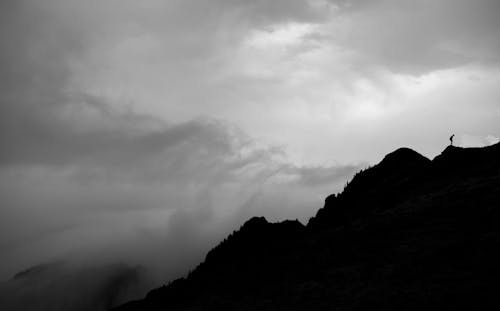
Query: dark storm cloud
{"points": [[41, 137], [40, 41], [44, 123]]}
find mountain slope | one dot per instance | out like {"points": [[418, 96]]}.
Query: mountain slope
{"points": [[408, 233]]}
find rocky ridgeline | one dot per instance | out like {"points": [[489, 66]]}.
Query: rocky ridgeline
{"points": [[406, 234]]}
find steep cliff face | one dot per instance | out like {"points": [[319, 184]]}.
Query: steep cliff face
{"points": [[408, 233]]}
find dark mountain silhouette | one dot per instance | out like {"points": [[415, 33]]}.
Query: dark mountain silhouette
{"points": [[406, 234]]}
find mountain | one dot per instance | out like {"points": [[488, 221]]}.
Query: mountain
{"points": [[406, 234]]}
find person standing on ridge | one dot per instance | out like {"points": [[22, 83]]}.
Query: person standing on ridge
{"points": [[451, 139]]}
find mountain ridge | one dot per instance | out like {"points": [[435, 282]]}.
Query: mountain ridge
{"points": [[408, 233]]}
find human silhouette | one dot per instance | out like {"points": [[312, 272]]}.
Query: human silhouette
{"points": [[451, 139]]}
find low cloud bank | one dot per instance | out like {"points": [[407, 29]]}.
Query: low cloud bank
{"points": [[104, 185], [59, 286]]}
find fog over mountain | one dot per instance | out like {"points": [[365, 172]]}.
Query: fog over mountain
{"points": [[141, 133]]}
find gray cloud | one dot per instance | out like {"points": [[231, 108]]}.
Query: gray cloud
{"points": [[82, 177], [420, 36], [195, 177]]}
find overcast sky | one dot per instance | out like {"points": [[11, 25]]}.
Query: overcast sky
{"points": [[144, 131]]}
